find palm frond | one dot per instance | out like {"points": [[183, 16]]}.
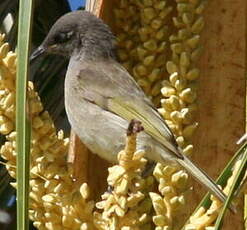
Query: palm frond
{"points": [[22, 122]]}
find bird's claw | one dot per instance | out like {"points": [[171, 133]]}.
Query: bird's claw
{"points": [[135, 126]]}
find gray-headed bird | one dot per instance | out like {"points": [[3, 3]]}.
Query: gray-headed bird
{"points": [[101, 97]]}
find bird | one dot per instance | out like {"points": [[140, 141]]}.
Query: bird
{"points": [[101, 97]]}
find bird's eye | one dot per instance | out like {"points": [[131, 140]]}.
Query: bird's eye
{"points": [[63, 37]]}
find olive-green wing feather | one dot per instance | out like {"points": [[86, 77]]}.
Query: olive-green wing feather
{"points": [[112, 88], [152, 124]]}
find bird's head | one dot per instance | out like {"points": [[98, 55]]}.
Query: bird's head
{"points": [[78, 32]]}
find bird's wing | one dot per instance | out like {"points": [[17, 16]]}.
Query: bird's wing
{"points": [[111, 87]]}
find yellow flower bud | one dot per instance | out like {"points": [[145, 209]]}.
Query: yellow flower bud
{"points": [[149, 13], [4, 49], [198, 25]]}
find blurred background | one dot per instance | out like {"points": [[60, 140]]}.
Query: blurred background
{"points": [[75, 4]]}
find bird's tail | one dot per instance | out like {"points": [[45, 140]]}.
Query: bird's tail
{"points": [[204, 179]]}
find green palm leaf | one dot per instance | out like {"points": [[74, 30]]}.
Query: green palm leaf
{"points": [[22, 123]]}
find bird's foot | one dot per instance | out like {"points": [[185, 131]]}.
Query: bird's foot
{"points": [[135, 127]]}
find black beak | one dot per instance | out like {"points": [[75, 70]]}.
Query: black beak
{"points": [[39, 51]]}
